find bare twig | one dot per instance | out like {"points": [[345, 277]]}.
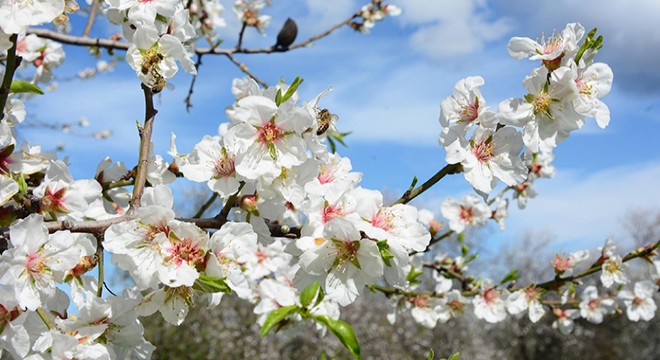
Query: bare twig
{"points": [[91, 18], [145, 144], [206, 205], [447, 170], [240, 36], [188, 98], [11, 65], [246, 70]]}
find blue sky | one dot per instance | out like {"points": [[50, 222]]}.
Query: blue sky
{"points": [[387, 89]]}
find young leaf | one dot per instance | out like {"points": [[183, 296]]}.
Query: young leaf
{"points": [[431, 355], [276, 317], [211, 284], [309, 293], [343, 332], [384, 252], [511, 276], [22, 86]]}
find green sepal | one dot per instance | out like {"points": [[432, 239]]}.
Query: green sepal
{"points": [[161, 18], [461, 237], [211, 284], [23, 86], [464, 250], [529, 98], [344, 332], [277, 316], [320, 297], [307, 295], [385, 253]]}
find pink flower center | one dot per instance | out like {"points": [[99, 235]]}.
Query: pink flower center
{"points": [[330, 212], [327, 175], [466, 214], [35, 265], [224, 167], [261, 256], [5, 159], [53, 201], [483, 151], [382, 220], [347, 251], [490, 295], [420, 301], [269, 133], [583, 86], [185, 251], [470, 112], [561, 264]]}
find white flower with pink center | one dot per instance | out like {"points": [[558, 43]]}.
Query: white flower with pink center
{"points": [[213, 163], [249, 12], [593, 82], [471, 211], [613, 271], [639, 303], [396, 224], [334, 178], [594, 308], [172, 303], [490, 304], [466, 108], [564, 321], [526, 299], [565, 265], [319, 212], [183, 251], [343, 263], [546, 114], [551, 50], [267, 137], [274, 294], [36, 260], [490, 155], [144, 12]]}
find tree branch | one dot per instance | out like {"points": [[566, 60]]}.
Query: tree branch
{"points": [[245, 70], [90, 19], [11, 65], [145, 144], [447, 170]]}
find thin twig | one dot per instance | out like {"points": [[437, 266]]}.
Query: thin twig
{"points": [[187, 100], [240, 36], [145, 144], [99, 255], [91, 18], [447, 170], [245, 70], [206, 205]]}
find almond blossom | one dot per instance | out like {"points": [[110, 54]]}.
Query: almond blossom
{"points": [[471, 211], [639, 303]]}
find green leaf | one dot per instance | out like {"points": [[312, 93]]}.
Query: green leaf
{"points": [[384, 252], [309, 293], [455, 356], [211, 284], [431, 355], [22, 86], [464, 250], [343, 332], [340, 137], [461, 237], [292, 89], [319, 298], [413, 275], [276, 317], [278, 97], [511, 276], [333, 147]]}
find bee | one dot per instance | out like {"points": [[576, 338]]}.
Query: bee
{"points": [[326, 120], [159, 82], [150, 61]]}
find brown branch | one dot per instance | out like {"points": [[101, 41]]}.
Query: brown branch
{"points": [[78, 40], [145, 145], [447, 170], [90, 20], [11, 65], [245, 70], [206, 205], [240, 36], [187, 100]]}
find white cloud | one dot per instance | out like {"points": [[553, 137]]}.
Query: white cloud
{"points": [[451, 28], [583, 209]]}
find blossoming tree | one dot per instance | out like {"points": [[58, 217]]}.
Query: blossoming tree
{"points": [[296, 234]]}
